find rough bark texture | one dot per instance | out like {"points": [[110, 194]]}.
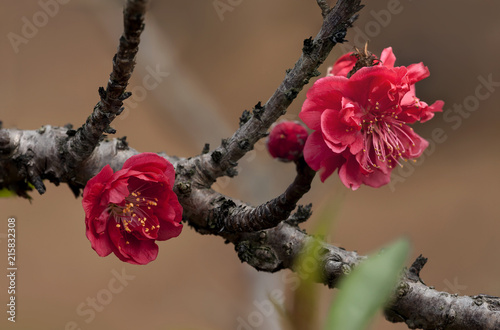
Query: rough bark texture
{"points": [[259, 234]]}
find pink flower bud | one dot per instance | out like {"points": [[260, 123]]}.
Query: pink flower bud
{"points": [[286, 140]]}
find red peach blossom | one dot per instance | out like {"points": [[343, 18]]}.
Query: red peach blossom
{"points": [[411, 105], [360, 123], [127, 211]]}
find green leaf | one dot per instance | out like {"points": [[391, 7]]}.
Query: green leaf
{"points": [[367, 289], [7, 193]]}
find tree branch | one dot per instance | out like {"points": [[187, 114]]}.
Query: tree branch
{"points": [[80, 144], [314, 52], [422, 307], [64, 155], [267, 250], [270, 214], [325, 8]]}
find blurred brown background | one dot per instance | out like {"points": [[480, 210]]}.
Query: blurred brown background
{"points": [[213, 66]]}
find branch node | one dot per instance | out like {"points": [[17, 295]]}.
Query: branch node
{"points": [[184, 188], [74, 187], [216, 156], [303, 213], [224, 143], [232, 172], [124, 96], [244, 145], [339, 36], [245, 116], [110, 130], [102, 93], [5, 147], [292, 93], [258, 110], [41, 130], [71, 132], [206, 149], [36, 180], [121, 143], [308, 47], [416, 267]]}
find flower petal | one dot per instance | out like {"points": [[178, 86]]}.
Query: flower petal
{"points": [[311, 114], [350, 174], [99, 242], [344, 65], [151, 162], [360, 123], [417, 72], [376, 179], [123, 210], [130, 249], [93, 189], [318, 156], [388, 58], [169, 230], [327, 92], [337, 135], [116, 191]]}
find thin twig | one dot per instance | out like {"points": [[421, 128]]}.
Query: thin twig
{"points": [[223, 159], [81, 145], [270, 214]]}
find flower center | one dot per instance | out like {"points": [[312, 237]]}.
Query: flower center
{"points": [[134, 212], [385, 140]]}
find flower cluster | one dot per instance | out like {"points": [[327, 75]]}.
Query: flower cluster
{"points": [[361, 123], [127, 211]]}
